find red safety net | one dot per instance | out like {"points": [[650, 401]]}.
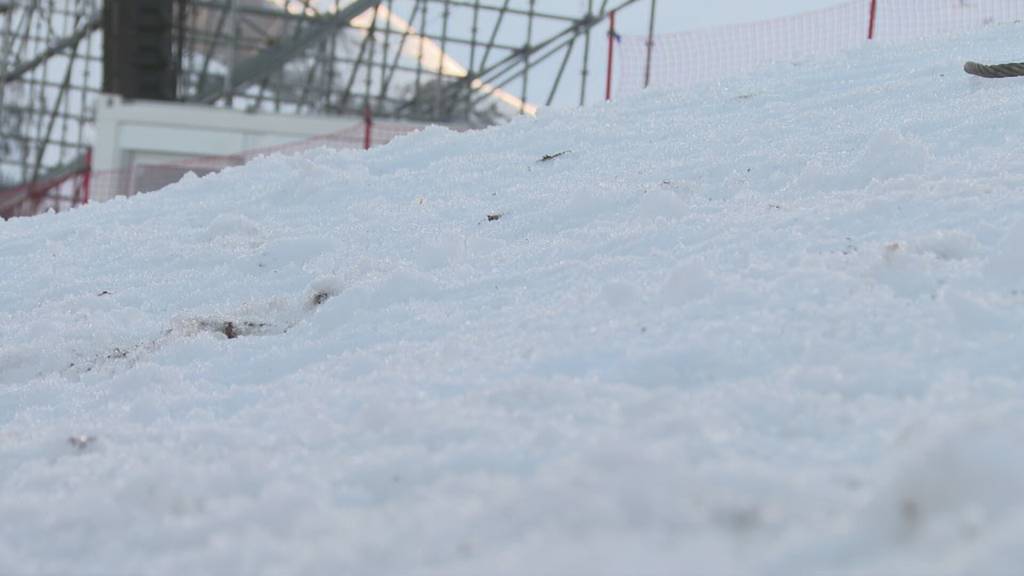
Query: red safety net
{"points": [[54, 193], [698, 56]]}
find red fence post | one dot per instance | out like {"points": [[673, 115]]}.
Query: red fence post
{"points": [[87, 176], [871, 20], [611, 55], [367, 127]]}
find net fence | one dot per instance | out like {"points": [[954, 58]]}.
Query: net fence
{"points": [[699, 56], [58, 192]]}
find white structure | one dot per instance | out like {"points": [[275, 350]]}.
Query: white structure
{"points": [[142, 146]]}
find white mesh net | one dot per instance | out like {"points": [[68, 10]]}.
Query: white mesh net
{"points": [[693, 57]]}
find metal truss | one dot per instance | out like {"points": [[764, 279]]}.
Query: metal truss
{"points": [[469, 63], [448, 61]]}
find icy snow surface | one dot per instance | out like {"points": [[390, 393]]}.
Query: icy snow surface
{"points": [[772, 326]]}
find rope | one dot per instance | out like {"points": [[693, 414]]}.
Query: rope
{"points": [[996, 71]]}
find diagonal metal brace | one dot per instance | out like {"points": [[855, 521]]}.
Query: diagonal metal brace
{"points": [[21, 68], [275, 57]]}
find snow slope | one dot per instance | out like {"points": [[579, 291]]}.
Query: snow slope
{"points": [[769, 327]]}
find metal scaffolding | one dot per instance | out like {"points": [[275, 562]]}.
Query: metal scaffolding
{"points": [[469, 63], [50, 58]]}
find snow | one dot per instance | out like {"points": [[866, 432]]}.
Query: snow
{"points": [[772, 326]]}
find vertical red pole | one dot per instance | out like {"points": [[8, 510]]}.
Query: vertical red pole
{"points": [[87, 177], [611, 56], [871, 21], [367, 127]]}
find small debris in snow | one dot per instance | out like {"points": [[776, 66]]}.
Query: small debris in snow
{"points": [[81, 442], [320, 297], [117, 354], [234, 329], [549, 157]]}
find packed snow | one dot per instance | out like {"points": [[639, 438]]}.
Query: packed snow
{"points": [[771, 326]]}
